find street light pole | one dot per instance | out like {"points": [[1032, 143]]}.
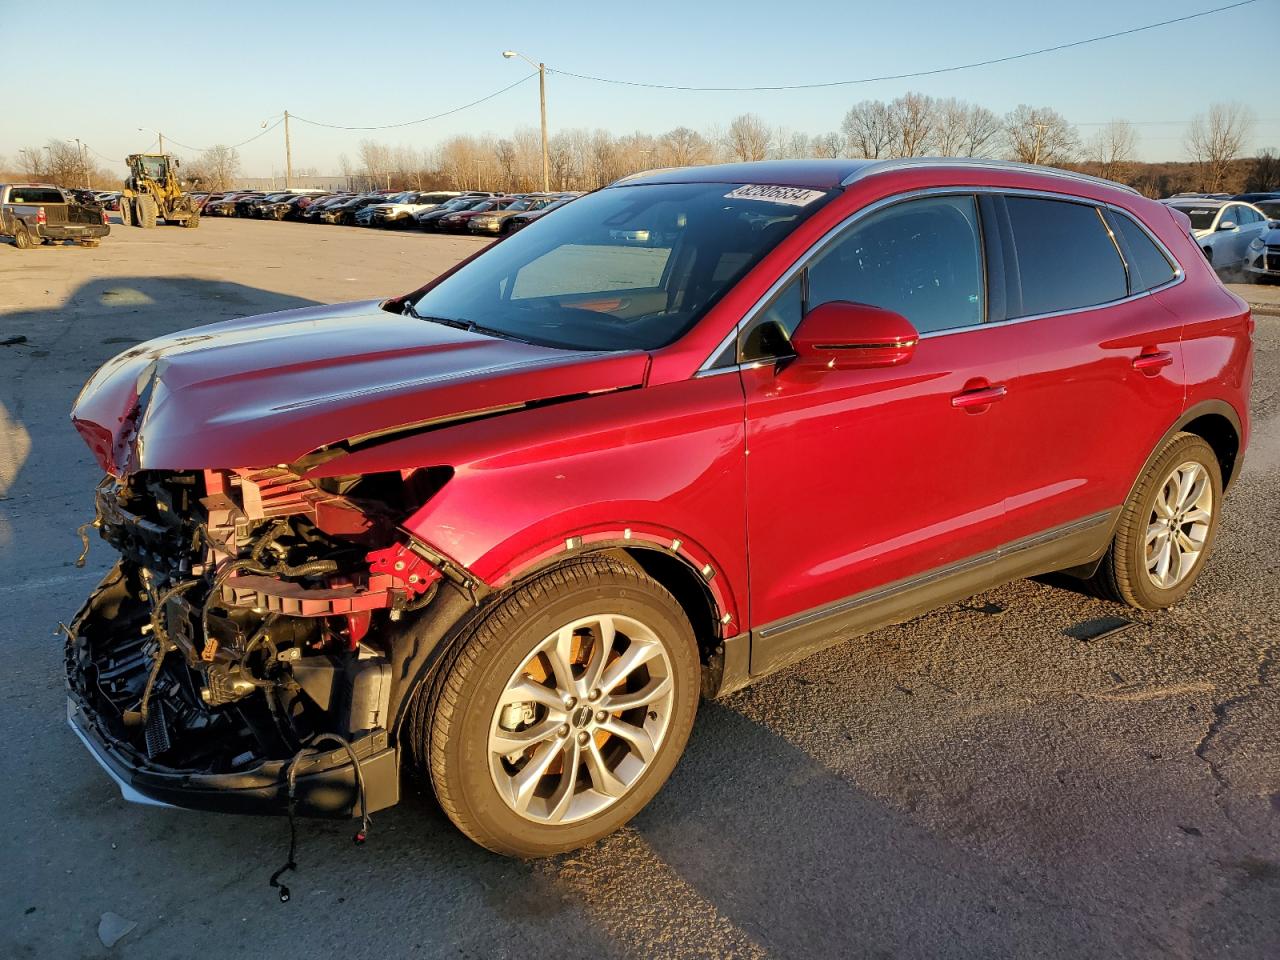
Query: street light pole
{"points": [[84, 163], [542, 104], [158, 134]]}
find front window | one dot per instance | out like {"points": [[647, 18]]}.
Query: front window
{"points": [[1201, 217], [631, 267]]}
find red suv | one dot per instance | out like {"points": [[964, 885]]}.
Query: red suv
{"points": [[506, 530]]}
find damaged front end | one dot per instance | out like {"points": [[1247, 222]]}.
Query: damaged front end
{"points": [[237, 657]]}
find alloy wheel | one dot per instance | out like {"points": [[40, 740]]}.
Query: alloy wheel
{"points": [[581, 719], [1178, 527]]}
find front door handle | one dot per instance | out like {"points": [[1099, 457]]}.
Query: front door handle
{"points": [[981, 397], [1153, 363]]}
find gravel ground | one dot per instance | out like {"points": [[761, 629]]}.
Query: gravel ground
{"points": [[980, 782]]}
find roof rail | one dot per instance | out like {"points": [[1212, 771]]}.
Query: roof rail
{"points": [[899, 163]]}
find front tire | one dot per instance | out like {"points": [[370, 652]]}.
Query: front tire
{"points": [[564, 712], [192, 221], [146, 211], [1166, 530]]}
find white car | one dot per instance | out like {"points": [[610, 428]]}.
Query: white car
{"points": [[1264, 251], [1224, 229], [401, 210]]}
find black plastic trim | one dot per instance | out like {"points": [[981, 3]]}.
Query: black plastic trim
{"points": [[777, 644]]}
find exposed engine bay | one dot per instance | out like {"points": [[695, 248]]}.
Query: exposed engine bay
{"points": [[246, 622]]}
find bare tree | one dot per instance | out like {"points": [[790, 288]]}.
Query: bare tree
{"points": [[216, 168], [827, 145], [1264, 172], [31, 162], [950, 127], [912, 119], [1215, 141], [868, 129], [748, 137], [375, 158], [982, 132], [1040, 135], [1112, 149], [59, 162], [962, 129], [683, 147]]}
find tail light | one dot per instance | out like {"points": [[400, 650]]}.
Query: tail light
{"points": [[40, 217], [104, 217]]}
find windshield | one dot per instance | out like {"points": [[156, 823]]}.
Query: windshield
{"points": [[1271, 208], [624, 268], [1201, 217]]}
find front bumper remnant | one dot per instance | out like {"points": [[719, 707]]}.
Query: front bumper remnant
{"points": [[326, 784]]}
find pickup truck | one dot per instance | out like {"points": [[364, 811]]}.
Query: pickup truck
{"points": [[35, 212]]}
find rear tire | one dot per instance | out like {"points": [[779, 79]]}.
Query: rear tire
{"points": [[22, 238], [611, 709], [126, 212], [192, 221], [1166, 530]]}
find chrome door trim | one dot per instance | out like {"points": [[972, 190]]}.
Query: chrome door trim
{"points": [[826, 239]]}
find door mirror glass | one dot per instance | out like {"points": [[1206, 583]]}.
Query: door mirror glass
{"points": [[841, 335], [1227, 225]]}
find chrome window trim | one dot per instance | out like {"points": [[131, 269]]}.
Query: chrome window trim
{"points": [[979, 163], [822, 242]]}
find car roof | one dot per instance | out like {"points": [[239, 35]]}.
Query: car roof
{"points": [[830, 174]]}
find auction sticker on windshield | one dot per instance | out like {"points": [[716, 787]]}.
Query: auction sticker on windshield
{"points": [[792, 196]]}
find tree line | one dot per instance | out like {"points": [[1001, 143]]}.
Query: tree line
{"points": [[910, 125]]}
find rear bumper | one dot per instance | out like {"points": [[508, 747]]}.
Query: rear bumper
{"points": [[325, 783], [74, 231]]}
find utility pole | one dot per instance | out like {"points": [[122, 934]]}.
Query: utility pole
{"points": [[542, 98], [542, 104], [1040, 129], [84, 164], [161, 136], [288, 154]]}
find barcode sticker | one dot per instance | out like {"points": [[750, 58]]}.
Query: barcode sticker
{"points": [[792, 196]]}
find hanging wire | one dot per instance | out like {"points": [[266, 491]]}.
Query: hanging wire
{"points": [[409, 123], [908, 76]]}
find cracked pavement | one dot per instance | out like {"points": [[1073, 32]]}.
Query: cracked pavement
{"points": [[990, 780]]}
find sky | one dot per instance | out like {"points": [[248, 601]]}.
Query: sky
{"points": [[211, 73]]}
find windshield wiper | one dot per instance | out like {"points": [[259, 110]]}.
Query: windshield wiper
{"points": [[468, 325], [412, 312]]}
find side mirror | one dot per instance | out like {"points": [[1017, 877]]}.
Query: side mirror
{"points": [[1227, 225], [840, 335]]}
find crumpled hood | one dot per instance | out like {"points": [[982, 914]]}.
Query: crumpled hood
{"points": [[266, 390]]}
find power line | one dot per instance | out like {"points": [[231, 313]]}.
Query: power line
{"points": [[409, 123], [279, 119], [907, 76]]}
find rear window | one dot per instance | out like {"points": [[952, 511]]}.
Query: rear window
{"points": [[34, 195], [1148, 266], [1066, 259], [1201, 217]]}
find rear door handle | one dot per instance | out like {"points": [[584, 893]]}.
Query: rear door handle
{"points": [[1151, 363], [980, 397]]}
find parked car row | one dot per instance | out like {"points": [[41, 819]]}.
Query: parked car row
{"points": [[1238, 236], [477, 212]]}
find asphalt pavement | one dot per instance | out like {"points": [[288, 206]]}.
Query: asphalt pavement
{"points": [[990, 780]]}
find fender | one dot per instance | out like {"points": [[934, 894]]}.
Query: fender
{"points": [[1195, 412], [578, 542]]}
